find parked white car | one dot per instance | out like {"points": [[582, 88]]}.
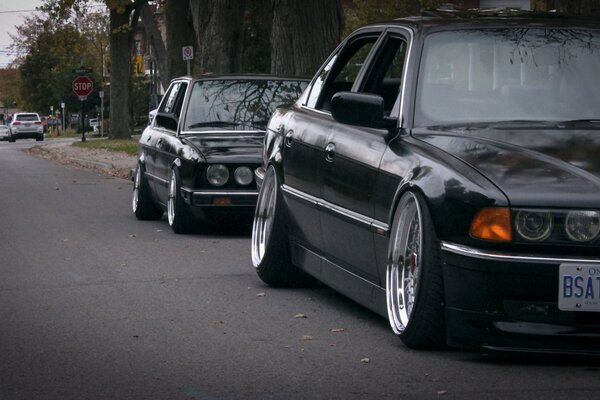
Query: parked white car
{"points": [[4, 132], [26, 126]]}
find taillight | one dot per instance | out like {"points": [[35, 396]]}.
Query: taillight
{"points": [[16, 123], [38, 123]]}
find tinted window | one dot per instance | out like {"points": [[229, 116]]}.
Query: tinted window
{"points": [[244, 104], [27, 117], [343, 73], [509, 74]]}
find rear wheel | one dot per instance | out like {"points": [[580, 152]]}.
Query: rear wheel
{"points": [[39, 138], [270, 247], [179, 215], [143, 206], [414, 284]]}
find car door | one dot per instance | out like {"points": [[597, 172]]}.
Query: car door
{"points": [[164, 138], [351, 167], [306, 135]]}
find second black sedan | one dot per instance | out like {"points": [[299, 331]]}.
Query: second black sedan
{"points": [[196, 160]]}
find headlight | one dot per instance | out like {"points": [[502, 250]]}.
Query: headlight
{"points": [[243, 176], [582, 226], [217, 175], [533, 225]]}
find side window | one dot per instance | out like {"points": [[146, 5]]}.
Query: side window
{"points": [[172, 104], [341, 72], [385, 78], [174, 99]]}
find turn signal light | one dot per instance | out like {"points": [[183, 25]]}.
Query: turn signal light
{"points": [[492, 224]]}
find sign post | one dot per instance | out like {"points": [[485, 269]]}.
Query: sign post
{"points": [[101, 95], [62, 105], [188, 55], [82, 86]]}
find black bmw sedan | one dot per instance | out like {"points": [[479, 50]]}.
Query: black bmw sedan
{"points": [[444, 171], [196, 159]]}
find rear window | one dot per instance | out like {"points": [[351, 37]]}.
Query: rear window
{"points": [[27, 117]]}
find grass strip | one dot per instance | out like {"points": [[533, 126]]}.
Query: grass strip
{"points": [[128, 146]]}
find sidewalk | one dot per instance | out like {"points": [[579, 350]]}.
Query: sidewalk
{"points": [[115, 164]]}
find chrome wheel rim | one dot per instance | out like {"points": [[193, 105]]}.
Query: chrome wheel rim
{"points": [[171, 199], [405, 264], [136, 189], [264, 217]]}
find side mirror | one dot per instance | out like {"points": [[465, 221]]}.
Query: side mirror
{"points": [[166, 120], [362, 109]]}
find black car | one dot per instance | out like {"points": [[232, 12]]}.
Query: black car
{"points": [[197, 157], [444, 171]]}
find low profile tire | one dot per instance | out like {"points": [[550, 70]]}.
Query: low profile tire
{"points": [[143, 206], [11, 139], [414, 283], [179, 215], [270, 247]]}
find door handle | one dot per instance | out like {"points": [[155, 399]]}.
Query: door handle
{"points": [[289, 138], [329, 152], [160, 142], [148, 138]]}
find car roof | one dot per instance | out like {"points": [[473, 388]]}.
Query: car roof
{"points": [[249, 77], [489, 18]]}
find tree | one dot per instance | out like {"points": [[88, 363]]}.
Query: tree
{"points": [[304, 33], [180, 32], [10, 81], [53, 50], [365, 12]]}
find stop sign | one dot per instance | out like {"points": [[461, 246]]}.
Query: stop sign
{"points": [[82, 86]]}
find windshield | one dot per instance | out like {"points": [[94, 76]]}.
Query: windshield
{"points": [[512, 74], [238, 104]]}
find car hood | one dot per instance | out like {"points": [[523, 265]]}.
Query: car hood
{"points": [[234, 146], [533, 167]]}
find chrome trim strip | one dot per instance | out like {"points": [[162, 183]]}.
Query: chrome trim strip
{"points": [[500, 256], [370, 222], [156, 178], [325, 113], [223, 133]]}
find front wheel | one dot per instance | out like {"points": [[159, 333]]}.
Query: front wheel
{"points": [[179, 215], [414, 284], [270, 247], [142, 204]]}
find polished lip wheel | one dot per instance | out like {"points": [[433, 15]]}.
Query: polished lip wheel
{"points": [[136, 189], [264, 218], [171, 199], [404, 269]]}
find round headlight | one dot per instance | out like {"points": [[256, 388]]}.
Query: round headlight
{"points": [[243, 176], [533, 225], [217, 175], [582, 226]]}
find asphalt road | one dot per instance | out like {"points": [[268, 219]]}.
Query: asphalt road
{"points": [[97, 305]]}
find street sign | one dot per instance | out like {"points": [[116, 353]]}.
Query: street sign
{"points": [[82, 86], [82, 71], [188, 53]]}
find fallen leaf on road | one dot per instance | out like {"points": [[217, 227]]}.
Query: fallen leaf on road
{"points": [[131, 236], [300, 316], [335, 330], [262, 294], [306, 337], [123, 265], [442, 392], [365, 360]]}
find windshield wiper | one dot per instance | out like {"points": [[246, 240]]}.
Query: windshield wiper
{"points": [[216, 124]]}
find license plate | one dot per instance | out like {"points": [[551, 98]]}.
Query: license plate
{"points": [[579, 287]]}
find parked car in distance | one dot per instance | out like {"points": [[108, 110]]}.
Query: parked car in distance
{"points": [[4, 132], [95, 124], [196, 159], [26, 126], [443, 171]]}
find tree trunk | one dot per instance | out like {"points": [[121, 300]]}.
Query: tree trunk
{"points": [[217, 24], [156, 40], [120, 59], [304, 34], [180, 32]]}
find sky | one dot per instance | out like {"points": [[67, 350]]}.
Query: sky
{"points": [[12, 13]]}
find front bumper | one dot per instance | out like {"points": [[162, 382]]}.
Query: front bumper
{"points": [[509, 302]]}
